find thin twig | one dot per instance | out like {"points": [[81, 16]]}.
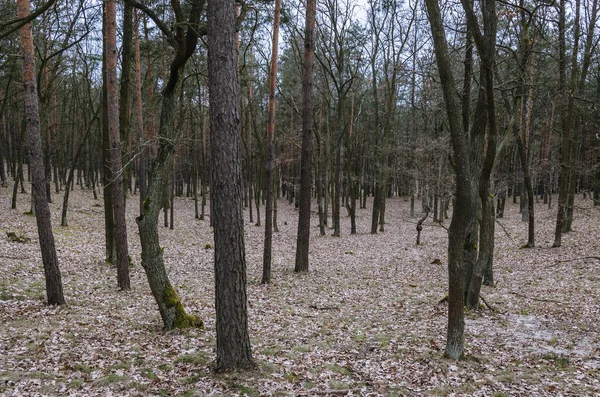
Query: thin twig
{"points": [[535, 299], [492, 308], [504, 229], [559, 261]]}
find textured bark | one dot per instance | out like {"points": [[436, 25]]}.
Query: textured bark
{"points": [[54, 289], [140, 116], [169, 304], [233, 341], [116, 165], [266, 276], [302, 243], [485, 143], [125, 92], [463, 213], [566, 123]]}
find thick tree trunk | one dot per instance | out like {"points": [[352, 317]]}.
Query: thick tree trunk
{"points": [[302, 244], [54, 289], [233, 341]]}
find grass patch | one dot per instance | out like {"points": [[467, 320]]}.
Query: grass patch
{"points": [[248, 391], [271, 351], [149, 374], [76, 384], [165, 367], [291, 377], [190, 379], [192, 393], [302, 348], [197, 358], [337, 385], [338, 369], [109, 380]]}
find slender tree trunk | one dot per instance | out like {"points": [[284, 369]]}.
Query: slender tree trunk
{"points": [[116, 165], [143, 160], [125, 93], [266, 276], [169, 303], [233, 342], [463, 213], [107, 177], [308, 96], [54, 289], [566, 124]]}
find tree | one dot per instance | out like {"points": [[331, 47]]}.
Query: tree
{"points": [[116, 165], [266, 277], [184, 42], [233, 341], [308, 97], [54, 289]]}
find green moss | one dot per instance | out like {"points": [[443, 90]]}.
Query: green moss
{"points": [[146, 205], [182, 320]]}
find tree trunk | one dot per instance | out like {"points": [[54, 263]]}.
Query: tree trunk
{"points": [[270, 162], [169, 304], [463, 213], [233, 341], [125, 93], [107, 176], [116, 165], [308, 95], [143, 160], [54, 289]]}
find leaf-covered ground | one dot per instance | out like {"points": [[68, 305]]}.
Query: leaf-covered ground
{"points": [[365, 321]]}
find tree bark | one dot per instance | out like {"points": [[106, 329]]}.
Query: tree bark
{"points": [[463, 213], [143, 160], [116, 165], [233, 341], [54, 289], [308, 95], [169, 304], [270, 162]]}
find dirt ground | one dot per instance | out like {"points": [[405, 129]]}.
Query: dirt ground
{"points": [[366, 320]]}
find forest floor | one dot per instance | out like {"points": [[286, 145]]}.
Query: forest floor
{"points": [[366, 320]]}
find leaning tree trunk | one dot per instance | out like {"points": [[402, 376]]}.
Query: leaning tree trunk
{"points": [[54, 290], [233, 341], [169, 304]]}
